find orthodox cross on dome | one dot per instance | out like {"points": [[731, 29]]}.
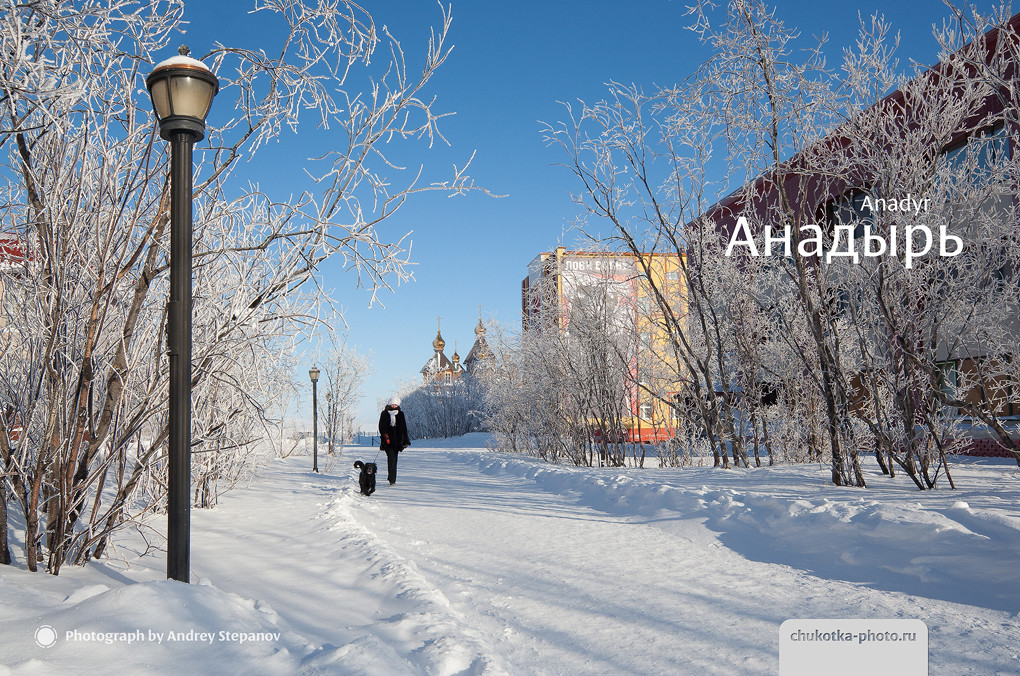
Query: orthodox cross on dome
{"points": [[438, 344], [439, 367]]}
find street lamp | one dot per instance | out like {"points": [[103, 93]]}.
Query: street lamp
{"points": [[313, 373], [182, 90], [330, 420]]}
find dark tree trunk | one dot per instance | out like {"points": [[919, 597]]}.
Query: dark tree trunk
{"points": [[5, 552]]}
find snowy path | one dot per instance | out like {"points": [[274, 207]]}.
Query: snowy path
{"points": [[482, 563], [562, 588], [351, 605], [548, 570]]}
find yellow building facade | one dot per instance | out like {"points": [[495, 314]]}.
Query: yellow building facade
{"points": [[640, 298]]}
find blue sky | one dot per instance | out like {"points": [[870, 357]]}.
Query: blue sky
{"points": [[512, 63]]}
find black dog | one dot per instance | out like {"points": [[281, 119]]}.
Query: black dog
{"points": [[367, 477]]}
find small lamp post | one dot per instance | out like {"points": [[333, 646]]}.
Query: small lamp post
{"points": [[313, 373], [330, 421], [182, 90]]}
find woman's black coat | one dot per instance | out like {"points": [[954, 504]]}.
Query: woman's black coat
{"points": [[395, 434]]}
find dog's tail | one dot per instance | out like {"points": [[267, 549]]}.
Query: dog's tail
{"points": [[360, 464]]}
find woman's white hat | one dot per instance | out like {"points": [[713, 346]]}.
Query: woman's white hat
{"points": [[395, 401]]}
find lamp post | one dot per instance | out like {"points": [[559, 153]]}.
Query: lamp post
{"points": [[330, 421], [313, 373], [182, 90]]}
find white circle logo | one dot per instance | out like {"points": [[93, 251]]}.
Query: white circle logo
{"points": [[45, 636]]}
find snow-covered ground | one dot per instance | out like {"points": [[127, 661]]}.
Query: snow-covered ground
{"points": [[482, 563]]}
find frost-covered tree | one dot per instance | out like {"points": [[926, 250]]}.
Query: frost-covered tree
{"points": [[528, 397], [793, 349], [437, 410], [86, 194], [567, 386], [346, 371], [636, 174]]}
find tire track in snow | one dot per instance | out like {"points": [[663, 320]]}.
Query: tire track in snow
{"points": [[423, 626]]}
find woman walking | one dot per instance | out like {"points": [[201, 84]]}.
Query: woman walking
{"points": [[393, 433]]}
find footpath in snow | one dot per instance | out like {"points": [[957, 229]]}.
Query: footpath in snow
{"points": [[482, 563]]}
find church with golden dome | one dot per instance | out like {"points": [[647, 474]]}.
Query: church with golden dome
{"points": [[445, 370]]}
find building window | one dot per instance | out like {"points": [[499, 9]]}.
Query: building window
{"points": [[645, 411], [979, 153], [641, 374], [950, 381], [850, 209]]}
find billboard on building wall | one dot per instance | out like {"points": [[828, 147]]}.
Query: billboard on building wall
{"points": [[604, 286]]}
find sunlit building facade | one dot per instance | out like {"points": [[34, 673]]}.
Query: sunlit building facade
{"points": [[625, 286]]}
